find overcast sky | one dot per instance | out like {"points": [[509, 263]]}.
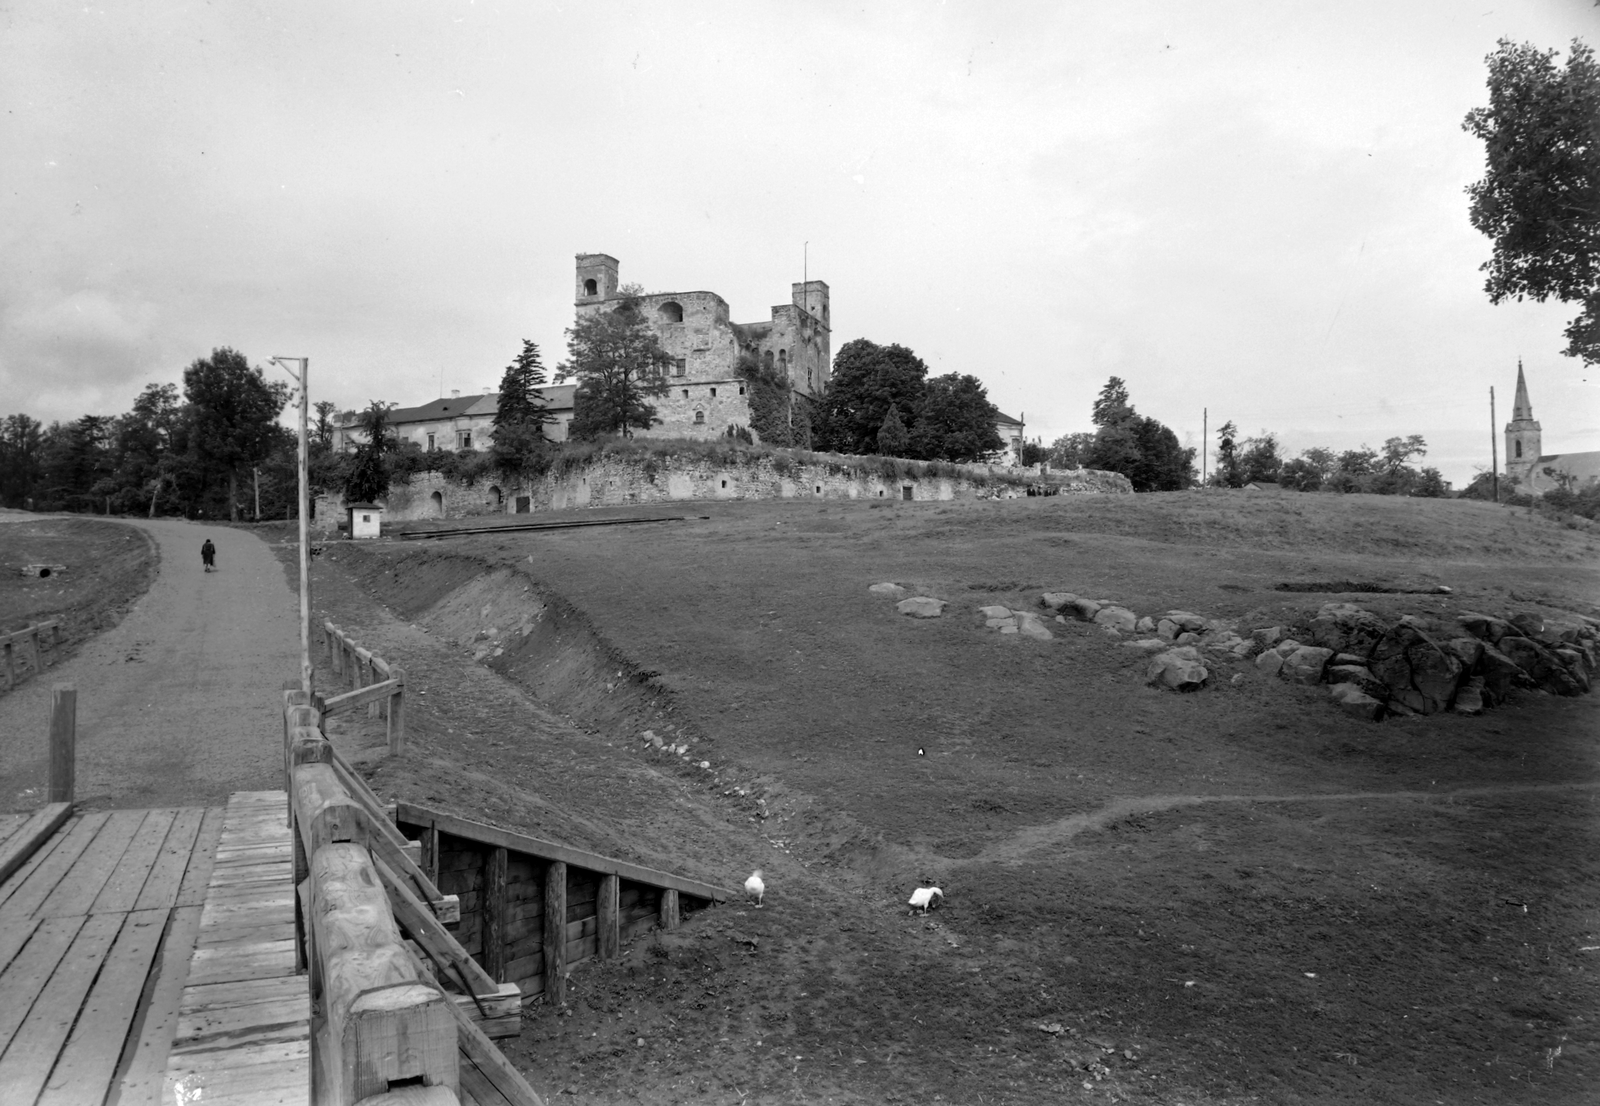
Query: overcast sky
{"points": [[1252, 207]]}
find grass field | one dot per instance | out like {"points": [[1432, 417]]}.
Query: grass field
{"points": [[108, 565], [1233, 895]]}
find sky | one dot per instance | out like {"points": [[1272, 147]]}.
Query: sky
{"points": [[1250, 211]]}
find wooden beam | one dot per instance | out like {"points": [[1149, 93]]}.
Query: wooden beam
{"points": [[493, 912], [324, 810], [608, 931], [397, 713], [555, 932], [414, 1096], [16, 849], [440, 944], [549, 850], [63, 740], [367, 696], [489, 1060], [383, 1022]]}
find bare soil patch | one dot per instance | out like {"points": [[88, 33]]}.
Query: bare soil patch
{"points": [[1232, 895]]}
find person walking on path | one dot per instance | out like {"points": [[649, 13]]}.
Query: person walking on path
{"points": [[208, 554]]}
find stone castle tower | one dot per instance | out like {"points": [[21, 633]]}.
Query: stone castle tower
{"points": [[1523, 434]]}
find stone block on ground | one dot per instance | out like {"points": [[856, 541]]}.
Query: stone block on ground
{"points": [[1178, 669], [1346, 628], [1305, 664], [1120, 619], [1166, 629], [1083, 609], [1267, 636], [1269, 663], [1056, 600], [1353, 701], [1485, 627], [1147, 645], [1188, 620], [893, 591], [921, 606], [995, 610], [1359, 675], [1145, 625], [1419, 673], [1469, 696]]}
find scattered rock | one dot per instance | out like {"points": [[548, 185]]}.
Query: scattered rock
{"points": [[921, 606], [1305, 664], [1179, 669], [893, 591], [1084, 609], [1419, 674], [1360, 676], [1469, 696], [1352, 700], [995, 611], [1346, 628], [1145, 625], [1529, 623], [1485, 627], [1541, 664], [1166, 629], [1500, 674], [1269, 663], [1267, 636], [1028, 625], [1120, 619], [1188, 637], [1467, 650], [1148, 645], [1056, 600], [1188, 620]]}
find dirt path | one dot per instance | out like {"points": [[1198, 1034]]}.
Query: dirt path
{"points": [[177, 704]]}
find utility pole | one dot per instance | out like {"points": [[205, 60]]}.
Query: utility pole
{"points": [[302, 378], [1494, 447], [256, 472], [1205, 443]]}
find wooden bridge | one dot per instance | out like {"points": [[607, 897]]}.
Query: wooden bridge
{"points": [[294, 947]]}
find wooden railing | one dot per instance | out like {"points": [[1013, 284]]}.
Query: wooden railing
{"points": [[24, 644], [371, 934], [372, 681], [530, 909]]}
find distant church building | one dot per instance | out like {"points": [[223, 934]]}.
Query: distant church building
{"points": [[706, 396], [1538, 472]]}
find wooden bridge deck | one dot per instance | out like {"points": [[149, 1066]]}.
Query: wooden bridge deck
{"points": [[147, 956]]}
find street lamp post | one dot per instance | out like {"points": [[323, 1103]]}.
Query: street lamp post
{"points": [[305, 512]]}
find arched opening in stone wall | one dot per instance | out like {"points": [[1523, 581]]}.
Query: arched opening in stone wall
{"points": [[496, 496], [783, 361], [699, 418], [766, 360], [591, 288], [1519, 449], [672, 312], [437, 500]]}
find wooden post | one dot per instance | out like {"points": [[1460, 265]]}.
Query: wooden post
{"points": [[397, 712], [669, 908], [33, 644], [608, 920], [335, 650], [11, 666], [494, 914], [63, 741], [555, 932], [430, 853]]}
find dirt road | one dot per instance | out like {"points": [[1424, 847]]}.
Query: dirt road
{"points": [[177, 704]]}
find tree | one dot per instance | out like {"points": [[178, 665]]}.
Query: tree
{"points": [[956, 421], [1539, 200], [1111, 406], [322, 429], [867, 380], [619, 364], [234, 411], [774, 414], [1229, 473], [1034, 453], [143, 441], [1300, 474], [369, 476], [1138, 447], [1397, 451], [1431, 483], [1259, 459], [76, 456], [1163, 464], [1071, 451], [21, 447], [892, 436], [520, 416]]}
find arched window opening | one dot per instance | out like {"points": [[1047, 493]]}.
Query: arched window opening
{"points": [[699, 418], [672, 312], [591, 287], [496, 496], [766, 360], [1519, 449], [783, 359], [437, 500]]}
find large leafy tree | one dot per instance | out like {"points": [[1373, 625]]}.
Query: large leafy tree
{"points": [[1229, 472], [21, 455], [1259, 459], [234, 411], [1137, 446], [956, 421], [76, 459], [892, 437], [1071, 451], [1539, 200], [620, 366], [867, 380], [369, 475]]}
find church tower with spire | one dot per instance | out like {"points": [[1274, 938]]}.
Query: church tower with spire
{"points": [[1523, 437]]}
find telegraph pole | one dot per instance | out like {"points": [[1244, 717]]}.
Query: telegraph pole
{"points": [[1205, 439], [302, 378], [1494, 448]]}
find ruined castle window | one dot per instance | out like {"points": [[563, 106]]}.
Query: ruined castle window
{"points": [[672, 312], [766, 359], [819, 489], [783, 359], [590, 288], [686, 393], [713, 393], [741, 389], [1519, 449], [699, 418], [680, 366]]}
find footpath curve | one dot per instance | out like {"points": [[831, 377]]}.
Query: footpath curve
{"points": [[179, 703]]}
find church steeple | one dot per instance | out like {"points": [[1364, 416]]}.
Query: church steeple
{"points": [[1522, 410], [1524, 436]]}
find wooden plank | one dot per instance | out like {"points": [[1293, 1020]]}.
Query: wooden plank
{"points": [[25, 839], [33, 890], [273, 1081], [549, 850], [122, 890], [14, 934], [9, 824], [555, 932], [478, 1052], [430, 933], [144, 1064], [234, 962], [494, 914], [90, 1057], [362, 697], [37, 1042], [607, 918], [192, 891]]}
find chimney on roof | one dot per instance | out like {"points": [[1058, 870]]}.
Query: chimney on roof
{"points": [[455, 393]]}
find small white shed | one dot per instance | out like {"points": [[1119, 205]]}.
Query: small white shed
{"points": [[365, 520]]}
